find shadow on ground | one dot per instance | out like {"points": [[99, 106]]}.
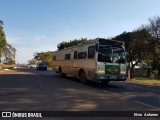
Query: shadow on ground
{"points": [[38, 90]]}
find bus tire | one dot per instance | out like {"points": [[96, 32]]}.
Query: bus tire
{"points": [[82, 77], [60, 72]]}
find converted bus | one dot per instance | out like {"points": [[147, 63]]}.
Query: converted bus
{"points": [[98, 60]]}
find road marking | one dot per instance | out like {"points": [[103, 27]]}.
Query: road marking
{"points": [[147, 105]]}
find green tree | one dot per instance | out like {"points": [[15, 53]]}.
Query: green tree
{"points": [[136, 44], [63, 44], [1, 22], [33, 61], [3, 41], [154, 29], [9, 54], [45, 57]]}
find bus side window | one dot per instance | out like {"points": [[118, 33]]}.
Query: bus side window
{"points": [[82, 55], [75, 54], [67, 56], [91, 51], [54, 58]]}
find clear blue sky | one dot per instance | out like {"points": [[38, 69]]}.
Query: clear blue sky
{"points": [[39, 25]]}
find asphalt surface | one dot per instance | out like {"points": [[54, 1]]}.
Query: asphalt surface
{"points": [[30, 90]]}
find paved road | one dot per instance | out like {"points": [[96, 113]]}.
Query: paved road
{"points": [[27, 89]]}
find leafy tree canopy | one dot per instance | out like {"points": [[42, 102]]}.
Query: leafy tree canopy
{"points": [[137, 46], [74, 42], [45, 57], [6, 49]]}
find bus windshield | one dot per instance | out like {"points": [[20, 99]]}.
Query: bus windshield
{"points": [[105, 54], [110, 54], [118, 55]]}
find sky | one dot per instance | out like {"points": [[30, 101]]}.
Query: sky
{"points": [[39, 25]]}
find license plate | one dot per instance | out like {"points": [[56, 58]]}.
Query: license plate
{"points": [[112, 77]]}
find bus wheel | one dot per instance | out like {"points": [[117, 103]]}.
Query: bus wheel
{"points": [[82, 77], [60, 73]]}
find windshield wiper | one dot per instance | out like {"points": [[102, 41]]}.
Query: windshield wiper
{"points": [[122, 60]]}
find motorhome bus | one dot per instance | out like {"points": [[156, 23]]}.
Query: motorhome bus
{"points": [[100, 60]]}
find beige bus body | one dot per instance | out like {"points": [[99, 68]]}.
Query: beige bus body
{"points": [[74, 66]]}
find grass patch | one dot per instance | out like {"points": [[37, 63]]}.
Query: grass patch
{"points": [[147, 81], [4, 66]]}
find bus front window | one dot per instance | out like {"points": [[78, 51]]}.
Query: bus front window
{"points": [[118, 55], [110, 54], [105, 54]]}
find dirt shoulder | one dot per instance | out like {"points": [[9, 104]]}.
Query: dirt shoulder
{"points": [[146, 81], [6, 68]]}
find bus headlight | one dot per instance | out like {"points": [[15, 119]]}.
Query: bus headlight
{"points": [[101, 70], [123, 70]]}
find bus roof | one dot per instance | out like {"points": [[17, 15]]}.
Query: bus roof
{"points": [[97, 40]]}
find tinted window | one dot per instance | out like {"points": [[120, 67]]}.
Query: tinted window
{"points": [[82, 55], [54, 57], [42, 64], [67, 56], [91, 51]]}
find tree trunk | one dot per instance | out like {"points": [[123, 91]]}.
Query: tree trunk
{"points": [[132, 69], [158, 76], [148, 73], [0, 57], [131, 72]]}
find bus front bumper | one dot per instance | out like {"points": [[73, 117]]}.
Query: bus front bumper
{"points": [[103, 77]]}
